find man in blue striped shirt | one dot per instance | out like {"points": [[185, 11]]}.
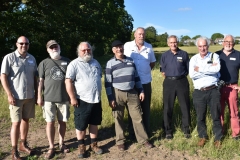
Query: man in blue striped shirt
{"points": [[123, 86]]}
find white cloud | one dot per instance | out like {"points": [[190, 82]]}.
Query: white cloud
{"points": [[184, 9]]}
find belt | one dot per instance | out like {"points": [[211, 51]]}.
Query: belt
{"points": [[175, 77], [207, 88]]}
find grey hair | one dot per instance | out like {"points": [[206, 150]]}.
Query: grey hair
{"points": [[229, 35], [138, 29], [172, 36], [202, 38], [89, 46]]}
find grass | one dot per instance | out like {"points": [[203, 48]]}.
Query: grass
{"points": [[229, 150]]}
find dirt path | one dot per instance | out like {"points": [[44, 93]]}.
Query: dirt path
{"points": [[37, 139]]}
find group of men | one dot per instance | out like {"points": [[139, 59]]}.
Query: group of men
{"points": [[56, 83], [215, 80]]}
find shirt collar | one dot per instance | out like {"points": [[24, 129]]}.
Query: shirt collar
{"points": [[19, 55]]}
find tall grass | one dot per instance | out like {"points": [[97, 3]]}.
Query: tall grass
{"points": [[229, 150]]}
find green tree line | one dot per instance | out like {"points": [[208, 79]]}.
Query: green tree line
{"points": [[68, 21]]}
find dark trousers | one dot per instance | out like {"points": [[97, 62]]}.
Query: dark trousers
{"points": [[145, 105], [171, 90], [200, 100]]}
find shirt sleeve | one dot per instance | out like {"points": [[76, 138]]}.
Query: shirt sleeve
{"points": [[40, 70], [71, 74], [152, 55], [108, 82], [5, 68]]}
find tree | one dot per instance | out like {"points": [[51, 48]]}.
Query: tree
{"points": [[216, 35], [161, 40], [184, 38], [195, 37], [150, 34]]}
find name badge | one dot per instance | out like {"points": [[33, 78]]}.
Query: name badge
{"points": [[179, 57], [30, 61], [233, 59], [129, 63], [64, 63]]}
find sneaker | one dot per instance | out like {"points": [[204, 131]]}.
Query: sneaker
{"points": [[23, 147], [82, 150], [121, 147], [169, 136], [202, 142], [95, 148], [217, 144], [15, 155], [148, 145]]}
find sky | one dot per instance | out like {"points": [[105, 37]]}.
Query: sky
{"points": [[186, 17]]}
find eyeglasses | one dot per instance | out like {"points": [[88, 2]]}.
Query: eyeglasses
{"points": [[84, 50], [21, 43], [53, 46], [230, 42]]}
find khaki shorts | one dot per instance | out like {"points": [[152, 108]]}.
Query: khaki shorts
{"points": [[51, 109], [23, 109]]}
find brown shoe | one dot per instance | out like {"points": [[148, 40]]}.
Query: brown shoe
{"points": [[23, 147], [121, 147], [202, 142], [15, 155], [50, 153], [95, 148], [82, 150], [217, 144], [148, 145]]}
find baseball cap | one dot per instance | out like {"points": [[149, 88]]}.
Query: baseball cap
{"points": [[116, 43], [50, 43]]}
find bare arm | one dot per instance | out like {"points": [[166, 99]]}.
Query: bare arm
{"points": [[11, 99], [70, 91], [39, 93]]}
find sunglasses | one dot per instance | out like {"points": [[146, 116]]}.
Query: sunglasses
{"points": [[21, 43], [84, 50], [53, 46]]}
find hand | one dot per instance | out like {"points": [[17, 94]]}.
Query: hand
{"points": [[141, 96], [74, 102], [196, 68], [236, 87], [163, 74], [40, 101], [112, 104], [11, 100]]}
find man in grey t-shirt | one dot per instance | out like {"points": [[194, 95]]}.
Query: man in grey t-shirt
{"points": [[56, 101]]}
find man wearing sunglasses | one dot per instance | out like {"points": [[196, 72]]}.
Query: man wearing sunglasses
{"points": [[83, 84], [19, 80], [55, 100]]}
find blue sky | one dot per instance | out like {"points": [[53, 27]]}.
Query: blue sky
{"points": [[186, 17]]}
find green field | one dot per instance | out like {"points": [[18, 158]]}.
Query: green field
{"points": [[229, 149]]}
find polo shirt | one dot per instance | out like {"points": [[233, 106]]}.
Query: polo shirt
{"points": [[229, 66], [174, 64], [121, 74], [207, 74], [142, 59], [86, 77], [20, 74]]}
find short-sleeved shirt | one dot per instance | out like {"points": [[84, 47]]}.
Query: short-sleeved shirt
{"points": [[229, 66], [86, 77], [53, 72], [20, 74], [175, 64], [142, 59]]}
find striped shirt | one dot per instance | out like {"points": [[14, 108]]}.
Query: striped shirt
{"points": [[121, 74]]}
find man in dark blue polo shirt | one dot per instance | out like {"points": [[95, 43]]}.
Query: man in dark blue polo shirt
{"points": [[174, 67], [230, 65]]}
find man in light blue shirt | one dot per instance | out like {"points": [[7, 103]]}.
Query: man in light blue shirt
{"points": [[204, 70]]}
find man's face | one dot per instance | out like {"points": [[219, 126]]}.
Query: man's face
{"points": [[228, 44], [85, 52], [118, 51], [173, 44], [202, 47], [54, 51], [22, 45], [139, 36]]}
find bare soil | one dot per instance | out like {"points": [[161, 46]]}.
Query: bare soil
{"points": [[37, 139]]}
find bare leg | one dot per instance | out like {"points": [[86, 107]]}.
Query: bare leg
{"points": [[15, 130], [50, 130], [61, 131], [93, 130], [80, 134], [24, 126]]}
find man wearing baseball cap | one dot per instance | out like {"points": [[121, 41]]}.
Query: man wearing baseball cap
{"points": [[56, 101], [121, 79]]}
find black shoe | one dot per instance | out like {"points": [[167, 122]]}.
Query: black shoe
{"points": [[186, 135], [169, 136]]}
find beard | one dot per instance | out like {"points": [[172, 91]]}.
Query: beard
{"points": [[55, 54], [87, 57]]}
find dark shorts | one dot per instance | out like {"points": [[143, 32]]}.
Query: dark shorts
{"points": [[87, 113]]}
